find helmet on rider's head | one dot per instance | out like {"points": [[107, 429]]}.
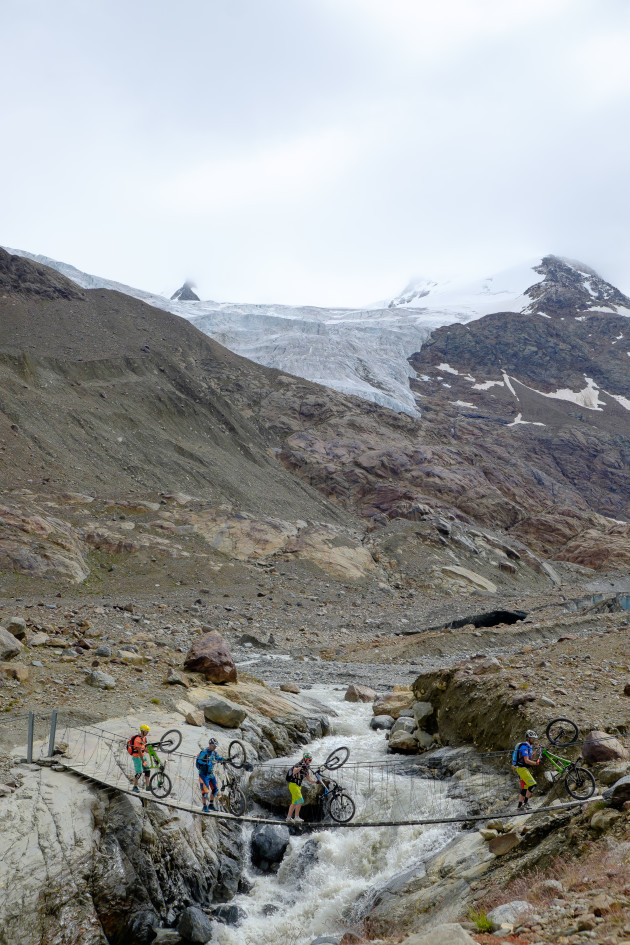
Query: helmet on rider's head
{"points": [[307, 757], [531, 735], [213, 741], [144, 728]]}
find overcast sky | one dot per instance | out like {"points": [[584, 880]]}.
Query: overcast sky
{"points": [[315, 151]]}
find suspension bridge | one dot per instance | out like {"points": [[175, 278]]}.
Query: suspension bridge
{"points": [[407, 792]]}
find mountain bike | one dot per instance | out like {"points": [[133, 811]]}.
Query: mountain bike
{"points": [[334, 800], [160, 785], [229, 797], [578, 781]]}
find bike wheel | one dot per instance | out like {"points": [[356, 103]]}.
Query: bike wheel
{"points": [[580, 784], [562, 732], [170, 741], [160, 784], [236, 801], [341, 808], [337, 758], [236, 754]]}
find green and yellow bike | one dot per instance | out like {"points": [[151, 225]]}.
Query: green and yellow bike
{"points": [[578, 781]]}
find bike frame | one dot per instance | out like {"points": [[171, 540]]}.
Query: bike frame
{"points": [[153, 757], [561, 765]]}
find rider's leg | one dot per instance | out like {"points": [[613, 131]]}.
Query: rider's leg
{"points": [[212, 781], [137, 767], [296, 800]]}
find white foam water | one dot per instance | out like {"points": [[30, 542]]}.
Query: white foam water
{"points": [[323, 892]]}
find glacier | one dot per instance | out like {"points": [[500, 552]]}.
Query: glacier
{"points": [[361, 352]]}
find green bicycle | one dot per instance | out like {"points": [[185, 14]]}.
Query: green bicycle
{"points": [[160, 784], [578, 781]]}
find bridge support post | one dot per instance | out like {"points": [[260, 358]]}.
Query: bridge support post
{"points": [[53, 732], [29, 740]]}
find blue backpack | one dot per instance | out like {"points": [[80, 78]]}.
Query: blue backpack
{"points": [[517, 755]]}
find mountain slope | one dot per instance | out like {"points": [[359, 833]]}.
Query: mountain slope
{"points": [[103, 392]]}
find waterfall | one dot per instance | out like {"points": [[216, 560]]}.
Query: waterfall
{"points": [[325, 872]]}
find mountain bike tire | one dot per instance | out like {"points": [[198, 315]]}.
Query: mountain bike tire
{"points": [[562, 732], [337, 758], [170, 741], [236, 802], [341, 808], [160, 784], [236, 754], [580, 784]]}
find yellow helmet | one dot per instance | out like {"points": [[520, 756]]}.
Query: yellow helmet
{"points": [[145, 728]]}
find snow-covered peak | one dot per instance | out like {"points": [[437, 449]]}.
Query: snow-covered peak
{"points": [[502, 292]]}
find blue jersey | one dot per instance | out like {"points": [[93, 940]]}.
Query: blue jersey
{"points": [[206, 760], [522, 751]]}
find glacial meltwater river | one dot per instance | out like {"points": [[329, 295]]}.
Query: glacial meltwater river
{"points": [[323, 890]]}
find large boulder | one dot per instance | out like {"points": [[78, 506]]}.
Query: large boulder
{"points": [[600, 746], [210, 655], [355, 693], [9, 645], [421, 712], [619, 793], [194, 926], [16, 626], [510, 913], [393, 703], [268, 845], [100, 680], [223, 712]]}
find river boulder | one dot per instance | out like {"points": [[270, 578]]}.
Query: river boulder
{"points": [[356, 693], [404, 742], [194, 926], [381, 722], [600, 746], [393, 703], [268, 845], [211, 656]]}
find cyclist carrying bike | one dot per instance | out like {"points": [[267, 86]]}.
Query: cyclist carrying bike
{"points": [[522, 760], [295, 776], [137, 746], [206, 760]]}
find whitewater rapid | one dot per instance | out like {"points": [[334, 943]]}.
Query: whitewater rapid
{"points": [[323, 889]]}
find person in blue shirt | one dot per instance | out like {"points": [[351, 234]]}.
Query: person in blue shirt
{"points": [[206, 760], [524, 758]]}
